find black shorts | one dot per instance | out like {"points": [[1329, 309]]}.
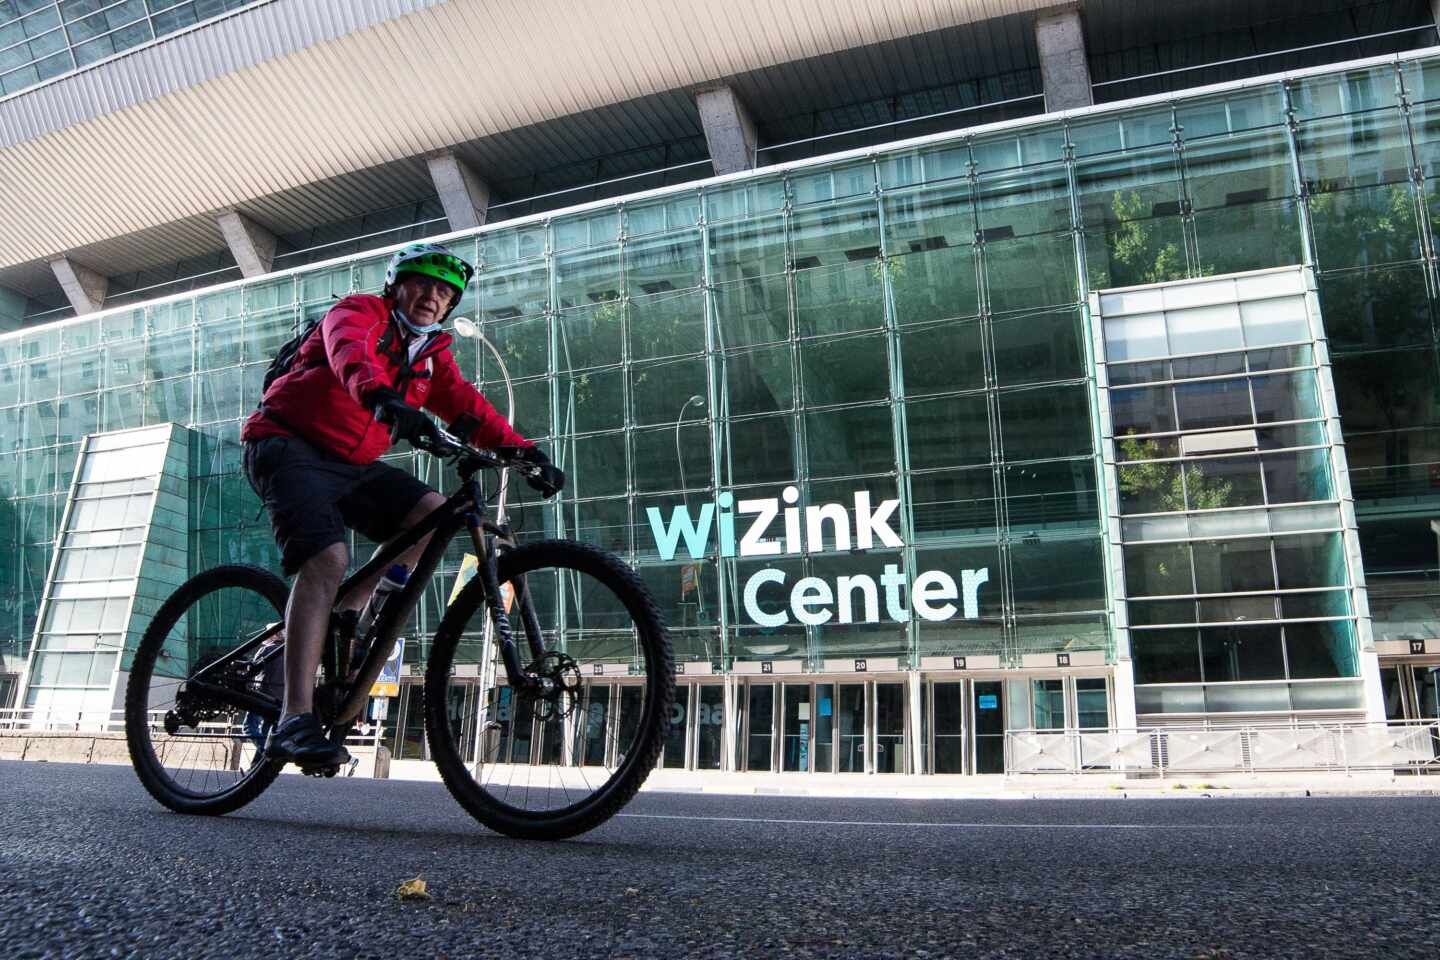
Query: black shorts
{"points": [[312, 498]]}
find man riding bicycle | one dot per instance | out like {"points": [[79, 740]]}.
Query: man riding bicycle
{"points": [[312, 446]]}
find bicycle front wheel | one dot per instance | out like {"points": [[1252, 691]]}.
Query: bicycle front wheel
{"points": [[193, 753], [547, 767]]}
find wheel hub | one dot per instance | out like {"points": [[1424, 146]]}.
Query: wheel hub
{"points": [[558, 685]]}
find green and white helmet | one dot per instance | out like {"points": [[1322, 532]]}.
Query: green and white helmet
{"points": [[430, 260]]}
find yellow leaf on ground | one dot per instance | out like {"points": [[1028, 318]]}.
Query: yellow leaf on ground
{"points": [[412, 890]]}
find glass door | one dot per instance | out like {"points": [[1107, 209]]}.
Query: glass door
{"points": [[1427, 693], [850, 729], [1390, 689], [824, 728], [593, 725], [631, 697], [759, 726], [710, 727], [1092, 703], [891, 755], [1047, 696], [795, 752], [674, 754], [948, 721], [989, 726]]}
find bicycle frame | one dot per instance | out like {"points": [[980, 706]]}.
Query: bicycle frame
{"points": [[462, 510]]}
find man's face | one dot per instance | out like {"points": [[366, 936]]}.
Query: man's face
{"points": [[423, 299]]}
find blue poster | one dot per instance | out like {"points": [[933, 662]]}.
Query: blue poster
{"points": [[989, 701]]}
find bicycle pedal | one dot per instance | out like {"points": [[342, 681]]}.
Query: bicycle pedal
{"points": [[320, 770]]}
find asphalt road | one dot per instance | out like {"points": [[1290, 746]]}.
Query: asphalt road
{"points": [[90, 866]]}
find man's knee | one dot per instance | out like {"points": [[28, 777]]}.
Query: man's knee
{"points": [[427, 505], [328, 565]]}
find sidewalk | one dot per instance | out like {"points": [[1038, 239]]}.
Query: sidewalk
{"points": [[997, 787]]}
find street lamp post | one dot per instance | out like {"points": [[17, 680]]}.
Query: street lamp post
{"points": [[699, 401]]}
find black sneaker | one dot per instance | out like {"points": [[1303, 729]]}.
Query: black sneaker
{"points": [[300, 739]]}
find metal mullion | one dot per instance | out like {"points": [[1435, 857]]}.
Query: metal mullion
{"points": [[1200, 431], [1215, 377], [1205, 354], [1255, 452], [715, 382], [1215, 510], [1278, 622], [1238, 593], [1417, 182], [900, 441]]}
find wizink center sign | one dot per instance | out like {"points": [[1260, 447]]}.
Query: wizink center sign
{"points": [[767, 528]]}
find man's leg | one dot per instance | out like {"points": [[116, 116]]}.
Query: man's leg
{"points": [[307, 618], [360, 594]]}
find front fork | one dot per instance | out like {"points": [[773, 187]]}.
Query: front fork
{"points": [[486, 543]]}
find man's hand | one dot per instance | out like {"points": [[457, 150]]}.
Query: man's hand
{"points": [[548, 479], [405, 422]]}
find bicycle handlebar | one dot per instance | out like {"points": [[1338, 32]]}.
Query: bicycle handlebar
{"points": [[443, 443]]}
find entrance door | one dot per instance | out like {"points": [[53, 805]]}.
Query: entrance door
{"points": [[948, 722], [759, 726], [799, 722], [850, 728], [710, 727], [1411, 691], [891, 753], [674, 755], [989, 712], [593, 725]]}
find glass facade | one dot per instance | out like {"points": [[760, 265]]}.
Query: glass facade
{"points": [[40, 39], [846, 411]]}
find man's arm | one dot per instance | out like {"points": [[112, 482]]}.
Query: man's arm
{"points": [[452, 396], [346, 330]]}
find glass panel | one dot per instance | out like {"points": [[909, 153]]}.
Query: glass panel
{"points": [[951, 431], [1166, 656], [824, 727], [1034, 348], [1048, 698], [1091, 703], [674, 752], [597, 712], [1045, 423], [844, 370], [761, 720], [1378, 307], [795, 753], [759, 380], [942, 357], [850, 738], [1241, 653], [631, 700], [891, 754], [710, 727]]}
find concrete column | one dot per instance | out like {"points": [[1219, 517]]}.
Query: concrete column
{"points": [[729, 131], [464, 195], [1064, 71], [252, 246], [12, 309], [84, 288]]}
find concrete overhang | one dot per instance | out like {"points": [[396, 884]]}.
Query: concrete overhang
{"points": [[309, 99]]}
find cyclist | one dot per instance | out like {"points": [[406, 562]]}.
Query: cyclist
{"points": [[311, 452]]}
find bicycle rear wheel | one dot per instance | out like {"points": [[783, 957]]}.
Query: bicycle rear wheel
{"points": [[531, 766], [194, 754]]}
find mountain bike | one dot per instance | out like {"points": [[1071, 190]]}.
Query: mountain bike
{"points": [[196, 684]]}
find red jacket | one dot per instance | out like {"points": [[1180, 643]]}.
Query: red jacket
{"points": [[321, 397]]}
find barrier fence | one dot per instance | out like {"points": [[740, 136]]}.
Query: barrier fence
{"points": [[93, 722], [1241, 748]]}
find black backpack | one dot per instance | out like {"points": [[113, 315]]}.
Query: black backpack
{"points": [[285, 356]]}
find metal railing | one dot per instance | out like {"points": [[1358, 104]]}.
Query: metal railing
{"points": [[28, 721], [1279, 747]]}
